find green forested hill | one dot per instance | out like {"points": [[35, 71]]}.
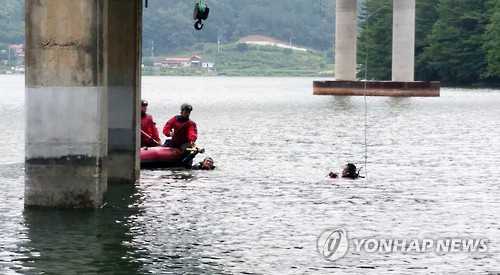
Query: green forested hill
{"points": [[11, 22], [169, 25], [237, 59], [307, 23], [458, 41]]}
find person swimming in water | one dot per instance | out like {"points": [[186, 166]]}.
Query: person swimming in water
{"points": [[349, 172], [206, 164]]}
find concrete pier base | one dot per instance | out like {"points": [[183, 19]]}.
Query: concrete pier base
{"points": [[82, 89], [68, 182], [66, 104], [377, 88]]}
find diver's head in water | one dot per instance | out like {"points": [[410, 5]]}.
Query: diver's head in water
{"points": [[350, 171], [207, 164]]}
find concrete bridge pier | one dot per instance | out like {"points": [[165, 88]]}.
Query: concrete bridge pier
{"points": [[122, 73], [403, 57], [74, 61], [346, 32], [403, 41]]}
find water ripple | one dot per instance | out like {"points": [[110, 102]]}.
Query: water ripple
{"points": [[432, 171]]}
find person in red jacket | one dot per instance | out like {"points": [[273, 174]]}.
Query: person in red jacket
{"points": [[181, 129], [149, 132]]}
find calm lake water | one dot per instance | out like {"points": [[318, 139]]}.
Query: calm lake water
{"points": [[433, 171]]}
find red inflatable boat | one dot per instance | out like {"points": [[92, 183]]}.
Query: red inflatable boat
{"points": [[164, 157]]}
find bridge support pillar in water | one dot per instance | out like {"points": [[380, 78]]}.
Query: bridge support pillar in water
{"points": [[346, 30], [122, 69], [78, 56], [403, 41], [403, 57]]}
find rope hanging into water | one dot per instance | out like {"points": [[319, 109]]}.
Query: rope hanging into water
{"points": [[365, 130], [366, 115]]}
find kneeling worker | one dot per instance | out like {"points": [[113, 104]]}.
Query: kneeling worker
{"points": [[149, 132], [181, 129]]}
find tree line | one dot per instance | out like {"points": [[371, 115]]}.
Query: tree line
{"points": [[11, 22], [457, 41], [168, 24]]}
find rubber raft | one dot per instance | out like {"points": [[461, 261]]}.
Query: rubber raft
{"points": [[166, 157]]}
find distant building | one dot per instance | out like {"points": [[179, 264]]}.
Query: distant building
{"points": [[13, 58], [207, 65], [180, 62], [13, 54], [19, 69], [195, 61], [17, 50], [174, 62], [262, 40]]}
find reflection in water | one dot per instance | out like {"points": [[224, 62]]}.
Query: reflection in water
{"points": [[399, 103], [118, 239], [175, 174], [85, 241], [341, 103], [173, 232]]}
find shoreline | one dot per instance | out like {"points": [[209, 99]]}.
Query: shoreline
{"points": [[469, 87]]}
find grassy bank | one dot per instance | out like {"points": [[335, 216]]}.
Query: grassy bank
{"points": [[248, 60]]}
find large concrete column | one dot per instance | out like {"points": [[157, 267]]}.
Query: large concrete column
{"points": [[345, 39], [66, 104], [123, 33], [403, 41]]}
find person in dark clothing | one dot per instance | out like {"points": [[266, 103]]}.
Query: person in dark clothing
{"points": [[181, 129], [206, 164], [149, 132], [333, 175], [349, 171]]}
